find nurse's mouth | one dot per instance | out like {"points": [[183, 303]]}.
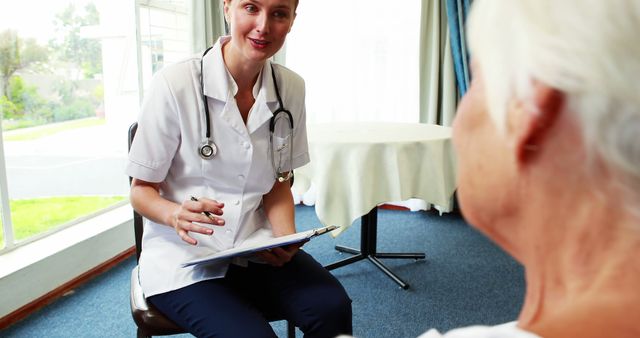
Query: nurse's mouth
{"points": [[259, 44]]}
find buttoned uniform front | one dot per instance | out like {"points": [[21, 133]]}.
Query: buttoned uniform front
{"points": [[171, 127]]}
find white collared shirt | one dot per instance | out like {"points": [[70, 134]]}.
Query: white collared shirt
{"points": [[506, 330], [171, 128]]}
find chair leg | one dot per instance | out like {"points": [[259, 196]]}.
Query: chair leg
{"points": [[291, 330], [141, 334]]}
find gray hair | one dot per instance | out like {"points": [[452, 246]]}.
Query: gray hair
{"points": [[588, 49]]}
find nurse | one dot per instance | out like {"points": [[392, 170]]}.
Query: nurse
{"points": [[226, 98]]}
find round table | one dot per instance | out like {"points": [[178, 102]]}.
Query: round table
{"points": [[357, 166]]}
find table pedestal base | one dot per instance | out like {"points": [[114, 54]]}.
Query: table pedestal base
{"points": [[368, 238]]}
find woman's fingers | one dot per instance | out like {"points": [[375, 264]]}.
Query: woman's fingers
{"points": [[202, 211], [203, 218], [205, 204], [191, 217], [280, 255], [285, 253], [195, 227], [184, 234], [184, 227], [270, 258]]}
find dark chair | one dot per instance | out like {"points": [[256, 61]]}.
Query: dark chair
{"points": [[150, 321]]}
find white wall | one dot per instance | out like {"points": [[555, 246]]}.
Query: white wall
{"points": [[31, 271]]}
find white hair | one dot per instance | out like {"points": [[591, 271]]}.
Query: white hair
{"points": [[588, 49]]}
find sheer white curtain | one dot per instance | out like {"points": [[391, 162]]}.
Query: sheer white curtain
{"points": [[359, 58], [207, 23], [373, 60]]}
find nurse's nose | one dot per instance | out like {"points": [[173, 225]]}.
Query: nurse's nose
{"points": [[262, 23]]}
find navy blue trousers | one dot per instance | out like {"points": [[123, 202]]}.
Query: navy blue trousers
{"points": [[242, 303]]}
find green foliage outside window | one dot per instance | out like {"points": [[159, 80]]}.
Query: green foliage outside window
{"points": [[37, 215], [71, 46], [22, 100], [21, 105]]}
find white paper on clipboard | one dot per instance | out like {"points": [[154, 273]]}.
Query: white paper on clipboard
{"points": [[249, 247]]}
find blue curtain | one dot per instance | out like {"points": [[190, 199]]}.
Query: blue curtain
{"points": [[457, 11]]}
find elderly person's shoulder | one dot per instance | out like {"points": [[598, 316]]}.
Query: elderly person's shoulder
{"points": [[508, 330]]}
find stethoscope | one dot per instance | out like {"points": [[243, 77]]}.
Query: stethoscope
{"points": [[208, 148]]}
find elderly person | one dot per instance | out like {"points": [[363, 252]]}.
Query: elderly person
{"points": [[548, 141]]}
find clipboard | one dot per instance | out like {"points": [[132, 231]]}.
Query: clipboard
{"points": [[249, 247]]}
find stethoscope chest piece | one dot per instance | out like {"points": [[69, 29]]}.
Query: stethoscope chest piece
{"points": [[208, 150]]}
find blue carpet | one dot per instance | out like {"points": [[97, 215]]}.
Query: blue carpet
{"points": [[464, 280]]}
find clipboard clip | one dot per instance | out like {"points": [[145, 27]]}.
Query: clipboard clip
{"points": [[324, 230]]}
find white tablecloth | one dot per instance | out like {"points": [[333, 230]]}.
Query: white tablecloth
{"points": [[356, 166]]}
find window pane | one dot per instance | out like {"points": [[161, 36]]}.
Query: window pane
{"points": [[2, 241], [164, 34], [69, 88], [362, 65]]}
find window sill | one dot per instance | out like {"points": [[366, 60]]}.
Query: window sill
{"points": [[35, 269]]}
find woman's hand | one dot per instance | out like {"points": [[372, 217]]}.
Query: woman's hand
{"points": [[190, 211], [281, 255]]}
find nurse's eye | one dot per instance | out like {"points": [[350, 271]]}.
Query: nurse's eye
{"points": [[251, 8], [281, 14]]}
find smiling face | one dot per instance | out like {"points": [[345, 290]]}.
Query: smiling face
{"points": [[258, 27]]}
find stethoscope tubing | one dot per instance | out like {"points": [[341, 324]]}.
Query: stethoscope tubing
{"points": [[208, 149]]}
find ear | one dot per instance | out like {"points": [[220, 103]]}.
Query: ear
{"points": [[226, 10], [535, 120]]}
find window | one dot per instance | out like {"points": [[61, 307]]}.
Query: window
{"points": [[163, 34], [70, 78], [359, 59]]}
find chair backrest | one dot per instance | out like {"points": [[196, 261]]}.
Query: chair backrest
{"points": [[149, 320], [137, 218]]}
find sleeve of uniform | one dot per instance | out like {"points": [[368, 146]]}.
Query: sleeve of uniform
{"points": [[300, 144], [158, 134]]}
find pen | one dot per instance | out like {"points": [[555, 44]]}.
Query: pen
{"points": [[206, 213]]}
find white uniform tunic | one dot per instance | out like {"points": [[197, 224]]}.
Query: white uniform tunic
{"points": [[171, 128]]}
